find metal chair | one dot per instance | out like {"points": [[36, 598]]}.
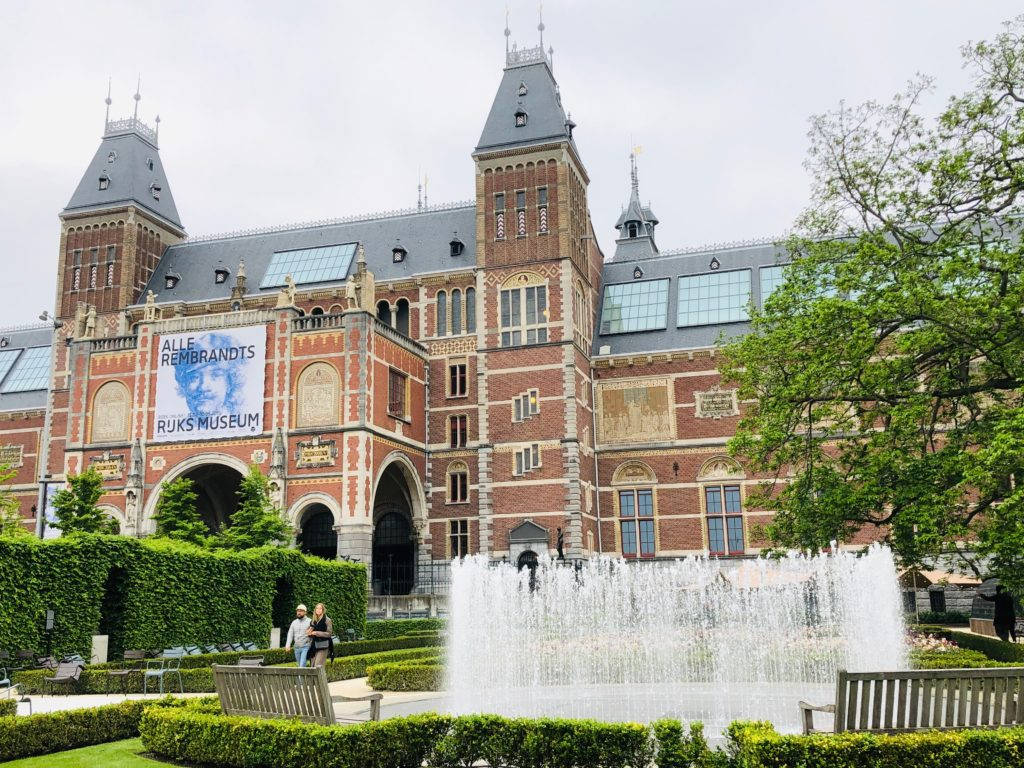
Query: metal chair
{"points": [[67, 673], [160, 668], [132, 663]]}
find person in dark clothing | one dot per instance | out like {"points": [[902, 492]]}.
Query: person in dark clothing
{"points": [[1004, 618]]}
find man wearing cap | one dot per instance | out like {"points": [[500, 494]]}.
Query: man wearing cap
{"points": [[297, 635]]}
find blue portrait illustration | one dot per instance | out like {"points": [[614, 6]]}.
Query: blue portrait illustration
{"points": [[208, 383]]}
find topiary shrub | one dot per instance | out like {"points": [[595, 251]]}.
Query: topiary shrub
{"points": [[406, 676]]}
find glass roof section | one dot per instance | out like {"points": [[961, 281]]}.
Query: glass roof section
{"points": [[7, 358], [324, 264], [31, 372], [718, 297], [636, 306]]}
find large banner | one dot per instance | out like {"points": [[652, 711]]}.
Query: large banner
{"points": [[209, 384]]}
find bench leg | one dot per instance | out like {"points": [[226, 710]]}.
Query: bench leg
{"points": [[375, 709], [808, 721]]}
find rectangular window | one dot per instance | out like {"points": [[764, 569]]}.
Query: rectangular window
{"points": [[457, 379], [92, 276], [630, 307], [524, 315], [724, 508], [521, 199], [31, 372], [542, 195], [499, 201], [110, 274], [636, 513], [771, 278], [521, 213], [718, 297], [499, 217], [458, 538], [525, 405], [527, 459], [937, 600], [457, 431], [458, 486], [328, 263], [397, 395]]}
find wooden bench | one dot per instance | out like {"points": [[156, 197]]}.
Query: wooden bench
{"points": [[915, 700], [282, 692]]}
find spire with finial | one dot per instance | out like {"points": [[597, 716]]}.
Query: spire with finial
{"points": [[425, 203], [551, 57], [632, 171], [419, 192], [540, 23], [108, 101], [158, 129], [137, 97], [508, 32]]}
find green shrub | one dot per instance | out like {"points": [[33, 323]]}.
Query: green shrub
{"points": [[757, 745], [405, 676], [57, 731], [156, 593], [944, 618], [959, 658], [396, 627], [8, 707], [349, 667], [674, 750], [994, 648]]}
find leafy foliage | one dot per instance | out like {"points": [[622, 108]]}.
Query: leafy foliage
{"points": [[400, 627], [256, 522], [56, 731], [75, 505], [11, 521], [888, 369], [177, 516]]}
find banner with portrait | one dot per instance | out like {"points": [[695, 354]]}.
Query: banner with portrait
{"points": [[209, 384]]}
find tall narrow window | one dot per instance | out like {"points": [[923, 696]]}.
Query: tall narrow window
{"points": [[524, 316], [110, 274], [542, 210], [457, 428], [456, 312], [92, 276], [402, 316], [499, 216], [442, 313], [458, 482], [471, 310], [397, 394], [384, 312], [76, 278], [458, 538], [457, 378], [636, 522], [520, 214], [725, 519]]}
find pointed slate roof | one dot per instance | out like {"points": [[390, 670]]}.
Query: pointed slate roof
{"points": [[545, 118], [129, 160], [643, 245]]}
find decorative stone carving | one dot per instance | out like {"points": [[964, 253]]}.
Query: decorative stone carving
{"points": [[150, 311], [720, 468], [110, 467], [286, 296], [258, 456], [632, 473], [90, 323], [716, 403], [11, 455], [318, 400], [316, 453], [157, 463], [635, 411], [111, 412], [520, 279]]}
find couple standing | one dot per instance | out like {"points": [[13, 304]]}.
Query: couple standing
{"points": [[311, 632]]}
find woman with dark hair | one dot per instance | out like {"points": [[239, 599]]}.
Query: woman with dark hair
{"points": [[321, 630]]}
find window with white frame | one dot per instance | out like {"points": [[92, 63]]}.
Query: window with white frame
{"points": [[526, 459], [458, 538], [525, 405], [636, 522], [542, 210], [524, 315]]}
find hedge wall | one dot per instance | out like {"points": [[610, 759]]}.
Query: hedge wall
{"points": [[758, 745], [993, 647], [155, 593], [379, 628], [421, 675], [8, 707], [959, 658]]}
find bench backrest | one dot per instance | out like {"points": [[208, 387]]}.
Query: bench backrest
{"points": [[274, 692], [929, 698]]}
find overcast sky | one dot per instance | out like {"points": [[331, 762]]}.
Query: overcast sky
{"points": [[280, 112]]}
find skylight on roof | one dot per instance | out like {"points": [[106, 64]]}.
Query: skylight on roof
{"points": [[31, 372], [719, 297], [631, 307], [771, 278], [324, 264], [7, 358]]}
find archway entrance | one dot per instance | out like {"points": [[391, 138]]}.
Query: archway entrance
{"points": [[317, 536], [216, 485], [394, 539]]}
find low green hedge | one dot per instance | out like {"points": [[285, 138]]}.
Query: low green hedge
{"points": [[945, 618], [994, 648], [8, 707], [442, 741], [959, 658], [399, 676], [57, 731], [758, 745], [376, 629], [201, 680], [676, 750]]}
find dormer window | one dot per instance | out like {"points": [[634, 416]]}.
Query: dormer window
{"points": [[149, 163], [457, 246], [171, 280], [104, 181], [111, 156], [522, 88], [220, 275], [637, 273], [398, 254], [520, 118], [155, 190], [632, 229]]}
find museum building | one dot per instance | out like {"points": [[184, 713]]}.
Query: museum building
{"points": [[418, 385]]}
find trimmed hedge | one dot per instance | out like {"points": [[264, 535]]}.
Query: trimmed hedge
{"points": [[442, 741], [156, 593], [406, 676], [378, 628], [960, 658], [56, 731], [945, 618], [758, 745], [674, 750], [993, 647], [200, 680], [8, 707]]}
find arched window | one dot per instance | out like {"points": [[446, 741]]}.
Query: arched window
{"points": [[317, 396], [316, 311], [458, 482], [721, 481], [384, 312], [402, 316], [632, 230], [442, 313], [111, 410], [635, 504], [470, 310], [456, 312]]}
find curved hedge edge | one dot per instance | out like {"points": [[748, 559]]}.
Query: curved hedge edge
{"points": [[376, 629], [405, 676]]}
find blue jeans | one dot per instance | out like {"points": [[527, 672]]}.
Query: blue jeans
{"points": [[300, 654]]}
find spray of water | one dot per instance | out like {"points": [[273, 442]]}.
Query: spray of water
{"points": [[693, 638]]}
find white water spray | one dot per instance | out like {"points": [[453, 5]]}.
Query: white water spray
{"points": [[693, 639]]}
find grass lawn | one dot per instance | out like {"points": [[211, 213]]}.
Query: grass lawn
{"points": [[116, 754]]}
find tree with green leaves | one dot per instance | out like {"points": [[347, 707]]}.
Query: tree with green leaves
{"points": [[256, 522], [11, 521], [888, 370], [75, 505], [177, 515]]}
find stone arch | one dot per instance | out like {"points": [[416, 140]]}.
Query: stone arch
{"points": [[110, 414], [317, 395], [315, 518], [720, 468], [185, 467], [117, 514], [633, 472], [299, 506], [399, 514], [418, 497]]}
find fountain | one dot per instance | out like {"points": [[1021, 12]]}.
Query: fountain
{"points": [[696, 638]]}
